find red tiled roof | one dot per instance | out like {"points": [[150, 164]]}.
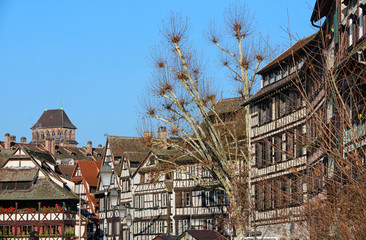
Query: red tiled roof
{"points": [[54, 118], [89, 171]]}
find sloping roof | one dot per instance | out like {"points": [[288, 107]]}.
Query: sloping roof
{"points": [[54, 118], [4, 155], [299, 45], [89, 170], [17, 175], [119, 145], [203, 235], [228, 105], [43, 189], [321, 9], [165, 237], [40, 155], [66, 170]]}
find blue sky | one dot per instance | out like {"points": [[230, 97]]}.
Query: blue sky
{"points": [[94, 56]]}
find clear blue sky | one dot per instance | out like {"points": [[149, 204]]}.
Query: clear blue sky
{"points": [[94, 56]]}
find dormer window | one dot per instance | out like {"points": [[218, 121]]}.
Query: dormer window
{"points": [[78, 173]]}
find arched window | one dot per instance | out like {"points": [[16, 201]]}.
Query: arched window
{"points": [[58, 134], [42, 135], [47, 134], [53, 135], [37, 135], [70, 134], [66, 134]]}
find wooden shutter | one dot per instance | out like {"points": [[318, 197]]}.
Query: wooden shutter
{"points": [[258, 154]]}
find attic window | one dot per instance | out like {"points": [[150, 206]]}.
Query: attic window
{"points": [[152, 161], [78, 173], [73, 154]]}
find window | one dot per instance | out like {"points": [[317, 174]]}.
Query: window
{"points": [[360, 23], [137, 201], [185, 225], [142, 201], [161, 227], [265, 113], [209, 224], [180, 227], [156, 200], [187, 199], [216, 198], [350, 33], [164, 199], [207, 199]]}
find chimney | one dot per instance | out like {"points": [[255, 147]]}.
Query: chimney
{"points": [[13, 139], [48, 144], [163, 137], [7, 141], [23, 140], [53, 146], [147, 134], [89, 148], [100, 146]]}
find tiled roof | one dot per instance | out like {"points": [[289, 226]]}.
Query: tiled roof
{"points": [[74, 153], [203, 235], [40, 155], [43, 189], [228, 105], [4, 155], [119, 145], [165, 237], [89, 170], [17, 175], [54, 118], [299, 45], [66, 170]]}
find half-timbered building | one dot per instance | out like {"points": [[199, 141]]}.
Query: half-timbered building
{"points": [[33, 197], [278, 157]]}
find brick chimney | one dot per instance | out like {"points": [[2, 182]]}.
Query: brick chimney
{"points": [[53, 146], [13, 139], [163, 137], [147, 134], [7, 141], [100, 146], [48, 144], [23, 140], [89, 148]]}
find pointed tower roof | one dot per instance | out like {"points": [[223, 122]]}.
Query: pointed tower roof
{"points": [[54, 118]]}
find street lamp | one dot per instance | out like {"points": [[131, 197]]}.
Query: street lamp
{"points": [[122, 214], [113, 198], [106, 178], [129, 223]]}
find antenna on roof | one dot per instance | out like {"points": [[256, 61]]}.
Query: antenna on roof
{"points": [[62, 105], [45, 109]]}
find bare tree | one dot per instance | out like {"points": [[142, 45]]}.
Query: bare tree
{"points": [[182, 97]]}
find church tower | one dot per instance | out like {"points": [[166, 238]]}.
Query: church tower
{"points": [[56, 126]]}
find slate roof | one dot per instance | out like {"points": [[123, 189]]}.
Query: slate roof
{"points": [[54, 118], [17, 175], [203, 235], [46, 156], [43, 189], [299, 45]]}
